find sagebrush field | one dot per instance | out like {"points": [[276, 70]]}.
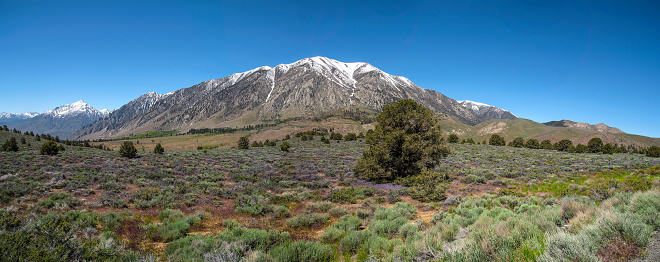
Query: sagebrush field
{"points": [[481, 203]]}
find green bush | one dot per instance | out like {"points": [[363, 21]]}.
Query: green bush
{"points": [[453, 138], [49, 148], [319, 206], [282, 211], [10, 145], [285, 146], [427, 186], [307, 220], [337, 211], [252, 204], [350, 137], [302, 251]]}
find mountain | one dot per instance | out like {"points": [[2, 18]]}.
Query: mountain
{"points": [[63, 120], [486, 112], [117, 118], [308, 88], [11, 119], [553, 131], [596, 128]]}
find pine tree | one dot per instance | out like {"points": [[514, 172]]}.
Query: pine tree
{"points": [[453, 138]]}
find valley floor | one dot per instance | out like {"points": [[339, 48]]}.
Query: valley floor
{"points": [[262, 204]]}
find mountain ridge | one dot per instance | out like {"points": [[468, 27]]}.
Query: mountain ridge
{"points": [[63, 120], [306, 88]]}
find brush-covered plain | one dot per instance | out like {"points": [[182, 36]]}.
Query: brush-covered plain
{"points": [[481, 203]]}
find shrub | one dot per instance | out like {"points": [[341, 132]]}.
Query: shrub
{"points": [[302, 250], [453, 138], [252, 204], [128, 150], [320, 206], [427, 186], [337, 211], [49, 148], [285, 146], [307, 220], [350, 137], [405, 141], [335, 136], [282, 211]]}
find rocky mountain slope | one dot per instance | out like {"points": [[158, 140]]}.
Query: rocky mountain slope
{"points": [[63, 120], [306, 88], [486, 112]]}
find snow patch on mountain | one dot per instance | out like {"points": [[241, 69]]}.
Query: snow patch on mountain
{"points": [[75, 108], [27, 115], [486, 111]]}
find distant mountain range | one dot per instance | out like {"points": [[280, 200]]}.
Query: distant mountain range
{"points": [[62, 120], [11, 119], [306, 89]]}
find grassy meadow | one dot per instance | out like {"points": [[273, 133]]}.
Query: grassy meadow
{"points": [[481, 203]]}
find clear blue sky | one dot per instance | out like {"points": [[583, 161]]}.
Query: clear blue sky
{"points": [[591, 61]]}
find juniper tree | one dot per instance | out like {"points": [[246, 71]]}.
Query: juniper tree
{"points": [[244, 142], [159, 150], [517, 142], [10, 145], [406, 140], [128, 150], [595, 145], [49, 148], [496, 140]]}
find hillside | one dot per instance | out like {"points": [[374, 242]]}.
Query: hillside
{"points": [[512, 128]]}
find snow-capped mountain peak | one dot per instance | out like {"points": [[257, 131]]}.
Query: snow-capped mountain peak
{"points": [[73, 109], [486, 111], [27, 115]]}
